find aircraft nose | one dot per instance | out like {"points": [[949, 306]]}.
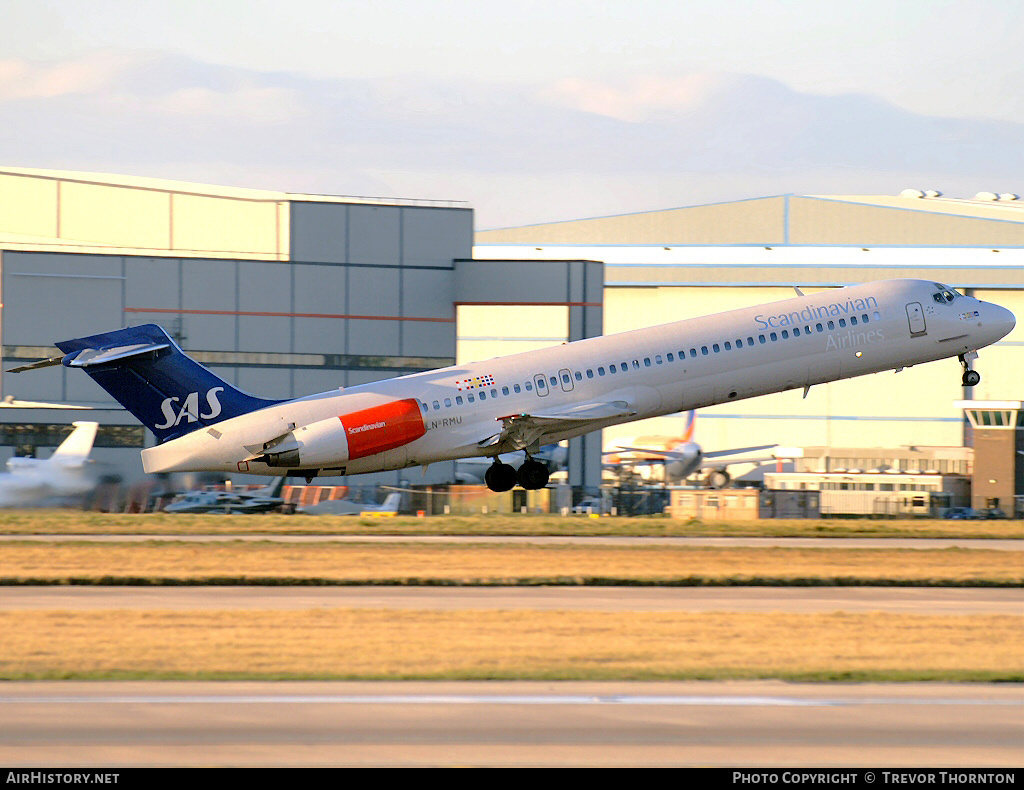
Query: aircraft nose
{"points": [[1001, 320]]}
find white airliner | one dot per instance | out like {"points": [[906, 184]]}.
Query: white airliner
{"points": [[685, 456], [527, 400], [29, 481]]}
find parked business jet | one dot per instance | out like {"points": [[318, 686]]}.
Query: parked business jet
{"points": [[527, 400], [346, 507], [29, 481], [684, 456], [262, 500]]}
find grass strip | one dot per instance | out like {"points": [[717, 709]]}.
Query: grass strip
{"points": [[71, 522], [535, 581], [487, 644], [267, 562]]}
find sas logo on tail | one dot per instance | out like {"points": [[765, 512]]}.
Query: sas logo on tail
{"points": [[190, 408]]}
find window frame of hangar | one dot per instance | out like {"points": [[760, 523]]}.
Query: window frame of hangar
{"points": [[32, 434], [272, 359]]}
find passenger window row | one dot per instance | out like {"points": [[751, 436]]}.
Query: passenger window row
{"points": [[636, 364]]}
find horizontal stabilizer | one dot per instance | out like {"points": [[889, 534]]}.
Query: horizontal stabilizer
{"points": [[147, 373], [91, 356], [43, 363]]}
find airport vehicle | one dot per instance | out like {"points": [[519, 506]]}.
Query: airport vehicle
{"points": [[346, 507], [591, 504], [685, 456], [524, 401], [30, 481], [262, 500], [961, 513]]}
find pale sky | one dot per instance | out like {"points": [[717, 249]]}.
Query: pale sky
{"points": [[531, 110]]}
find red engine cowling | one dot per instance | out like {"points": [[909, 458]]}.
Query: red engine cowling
{"points": [[379, 428], [330, 443]]}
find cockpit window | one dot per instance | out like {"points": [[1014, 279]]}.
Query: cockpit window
{"points": [[945, 294]]}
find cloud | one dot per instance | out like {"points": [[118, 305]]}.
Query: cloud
{"points": [[23, 79], [641, 98], [252, 105], [521, 154]]}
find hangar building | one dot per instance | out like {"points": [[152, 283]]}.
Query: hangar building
{"points": [[663, 266], [281, 294], [285, 295]]}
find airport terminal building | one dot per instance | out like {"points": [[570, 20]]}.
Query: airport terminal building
{"points": [[285, 295]]}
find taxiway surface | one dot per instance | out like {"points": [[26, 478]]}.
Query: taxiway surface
{"points": [[764, 724]]}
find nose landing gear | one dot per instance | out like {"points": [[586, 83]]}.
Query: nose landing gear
{"points": [[971, 377]]}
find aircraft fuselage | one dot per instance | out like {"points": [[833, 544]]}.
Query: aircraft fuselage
{"points": [[457, 412]]}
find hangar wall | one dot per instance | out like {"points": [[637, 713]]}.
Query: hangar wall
{"points": [[91, 209], [282, 295]]}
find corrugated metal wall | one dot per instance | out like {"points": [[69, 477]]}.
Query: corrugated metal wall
{"points": [[818, 221], [759, 221]]}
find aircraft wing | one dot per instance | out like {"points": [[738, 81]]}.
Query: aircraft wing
{"points": [[668, 455], [738, 451], [519, 431], [728, 461]]}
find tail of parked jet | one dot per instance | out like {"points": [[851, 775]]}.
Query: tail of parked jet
{"points": [[691, 420], [75, 449], [148, 374]]}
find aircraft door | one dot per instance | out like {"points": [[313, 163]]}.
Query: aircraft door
{"points": [[565, 379], [915, 315], [540, 384]]}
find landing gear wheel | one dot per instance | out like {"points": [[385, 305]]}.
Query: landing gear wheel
{"points": [[533, 475], [718, 479], [500, 477], [971, 377]]}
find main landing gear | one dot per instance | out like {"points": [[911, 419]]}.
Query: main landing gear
{"points": [[499, 476], [971, 377], [531, 475]]}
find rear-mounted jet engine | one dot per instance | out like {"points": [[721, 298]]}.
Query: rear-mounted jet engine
{"points": [[329, 443]]}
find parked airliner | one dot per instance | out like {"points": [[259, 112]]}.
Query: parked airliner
{"points": [[682, 457], [527, 400]]}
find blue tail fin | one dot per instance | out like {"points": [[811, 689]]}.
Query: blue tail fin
{"points": [[148, 374]]}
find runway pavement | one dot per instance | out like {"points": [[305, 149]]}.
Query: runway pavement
{"points": [[908, 600], [760, 724], [736, 724], [1000, 544]]}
